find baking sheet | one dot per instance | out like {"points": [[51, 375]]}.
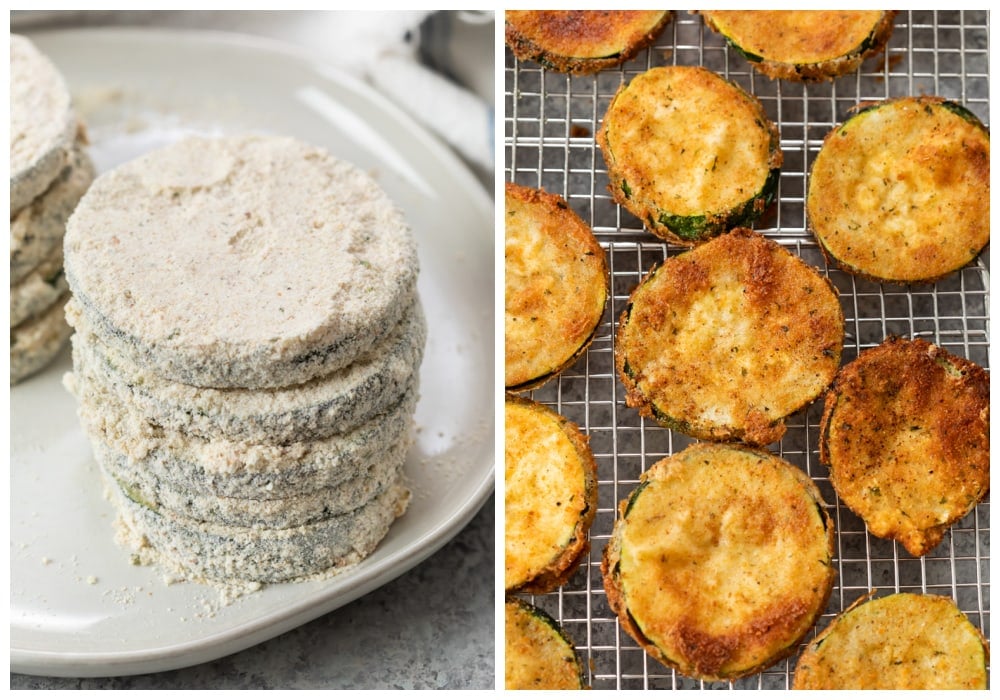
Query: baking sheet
{"points": [[78, 607], [550, 123]]}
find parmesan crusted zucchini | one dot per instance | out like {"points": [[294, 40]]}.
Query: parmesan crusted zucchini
{"points": [[720, 560], [724, 341], [900, 192], [550, 497], [556, 286], [689, 153], [538, 654], [581, 41], [905, 432], [905, 641], [803, 45]]}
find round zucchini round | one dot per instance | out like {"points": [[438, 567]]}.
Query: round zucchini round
{"points": [[550, 497], [905, 432], [581, 41], [803, 45], [724, 341], [538, 653], [556, 286], [900, 192], [689, 153], [720, 560], [905, 641]]}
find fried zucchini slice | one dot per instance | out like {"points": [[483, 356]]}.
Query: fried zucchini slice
{"points": [[905, 432], [689, 153], [538, 653], [905, 641], [581, 41], [550, 497], [720, 560], [803, 45], [556, 286], [900, 192], [724, 341]]}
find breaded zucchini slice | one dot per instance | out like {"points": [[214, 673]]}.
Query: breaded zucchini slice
{"points": [[689, 153], [720, 560], [905, 432], [581, 41], [550, 497], [900, 192], [538, 653], [905, 641], [724, 341], [556, 286], [803, 45]]}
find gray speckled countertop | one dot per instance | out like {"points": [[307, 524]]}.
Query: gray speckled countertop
{"points": [[431, 628]]}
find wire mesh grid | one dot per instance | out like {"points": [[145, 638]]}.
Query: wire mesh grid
{"points": [[550, 123]]}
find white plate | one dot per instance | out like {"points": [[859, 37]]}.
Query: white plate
{"points": [[78, 608]]}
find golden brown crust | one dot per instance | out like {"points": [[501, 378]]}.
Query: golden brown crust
{"points": [[905, 432], [905, 641], [689, 153], [581, 41], [556, 286], [550, 497], [726, 340], [804, 45], [538, 655], [720, 561], [900, 192]]}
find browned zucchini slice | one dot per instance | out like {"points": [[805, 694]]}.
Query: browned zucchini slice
{"points": [[720, 561], [689, 153], [550, 497], [538, 653], [581, 41], [556, 286], [803, 45], [900, 192], [905, 641], [905, 432], [724, 341]]}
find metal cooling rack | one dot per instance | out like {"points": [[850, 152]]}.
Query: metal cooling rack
{"points": [[550, 123]]}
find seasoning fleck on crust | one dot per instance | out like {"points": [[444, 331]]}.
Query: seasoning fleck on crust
{"points": [[803, 45], [556, 286], [538, 654], [689, 153], [581, 41], [720, 561], [904, 641], [550, 497], [724, 341], [905, 432], [900, 191]]}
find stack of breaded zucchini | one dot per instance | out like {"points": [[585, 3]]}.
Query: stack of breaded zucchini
{"points": [[49, 172], [246, 355]]}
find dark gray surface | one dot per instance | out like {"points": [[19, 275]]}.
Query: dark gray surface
{"points": [[431, 628]]}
